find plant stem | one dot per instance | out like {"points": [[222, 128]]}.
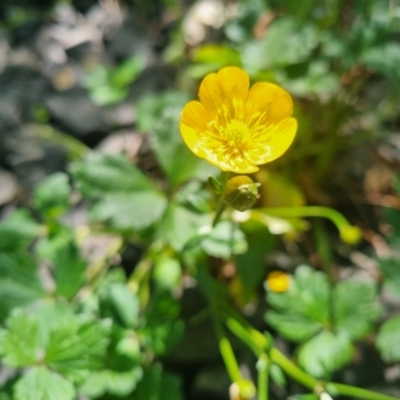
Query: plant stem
{"points": [[226, 351], [262, 381], [75, 148], [358, 393], [221, 208], [307, 211], [260, 344], [292, 369], [221, 205]]}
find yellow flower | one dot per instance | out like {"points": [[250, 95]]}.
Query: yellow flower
{"points": [[235, 128], [278, 281]]}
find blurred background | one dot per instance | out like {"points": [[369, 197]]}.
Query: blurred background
{"points": [[99, 75]]}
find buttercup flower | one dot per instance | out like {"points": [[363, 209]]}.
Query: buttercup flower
{"points": [[278, 281], [235, 128]]}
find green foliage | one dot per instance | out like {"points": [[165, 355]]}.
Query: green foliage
{"points": [[160, 114], [108, 86], [124, 302], [82, 319], [325, 352], [287, 42], [102, 174], [388, 340], [42, 384], [51, 196], [161, 328], [20, 341], [225, 240], [18, 230], [167, 272], [311, 308], [181, 225], [390, 268], [75, 347], [158, 385], [116, 383], [304, 309], [69, 270], [126, 198]]}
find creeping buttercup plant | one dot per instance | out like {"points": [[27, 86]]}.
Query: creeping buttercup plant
{"points": [[122, 279], [88, 329]]}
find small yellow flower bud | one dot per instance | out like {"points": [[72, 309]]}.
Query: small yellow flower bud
{"points": [[278, 281], [241, 193]]}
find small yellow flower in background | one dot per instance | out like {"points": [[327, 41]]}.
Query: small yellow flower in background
{"points": [[278, 281], [236, 128]]}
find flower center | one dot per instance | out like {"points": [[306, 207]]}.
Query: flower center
{"points": [[235, 134]]}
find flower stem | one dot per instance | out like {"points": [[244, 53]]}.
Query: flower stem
{"points": [[222, 204], [262, 380], [349, 233], [226, 351], [308, 211], [358, 393], [221, 208], [260, 344]]}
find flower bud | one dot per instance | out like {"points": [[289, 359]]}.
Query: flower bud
{"points": [[278, 281], [241, 193], [350, 234]]}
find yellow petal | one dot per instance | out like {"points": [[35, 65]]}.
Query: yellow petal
{"points": [[270, 99], [220, 89], [193, 124], [238, 165], [277, 140]]}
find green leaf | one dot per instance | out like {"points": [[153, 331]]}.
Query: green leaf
{"points": [[286, 43], [133, 211], [16, 294], [181, 225], [224, 240], [41, 384], [19, 280], [293, 327], [104, 95], [390, 268], [158, 385], [325, 353], [20, 342], [19, 267], [51, 196], [76, 347], [101, 174], [384, 59], [303, 309], [355, 307], [125, 303], [162, 328], [18, 231], [317, 79], [167, 272], [49, 315], [69, 270], [107, 381], [387, 340], [128, 71]]}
